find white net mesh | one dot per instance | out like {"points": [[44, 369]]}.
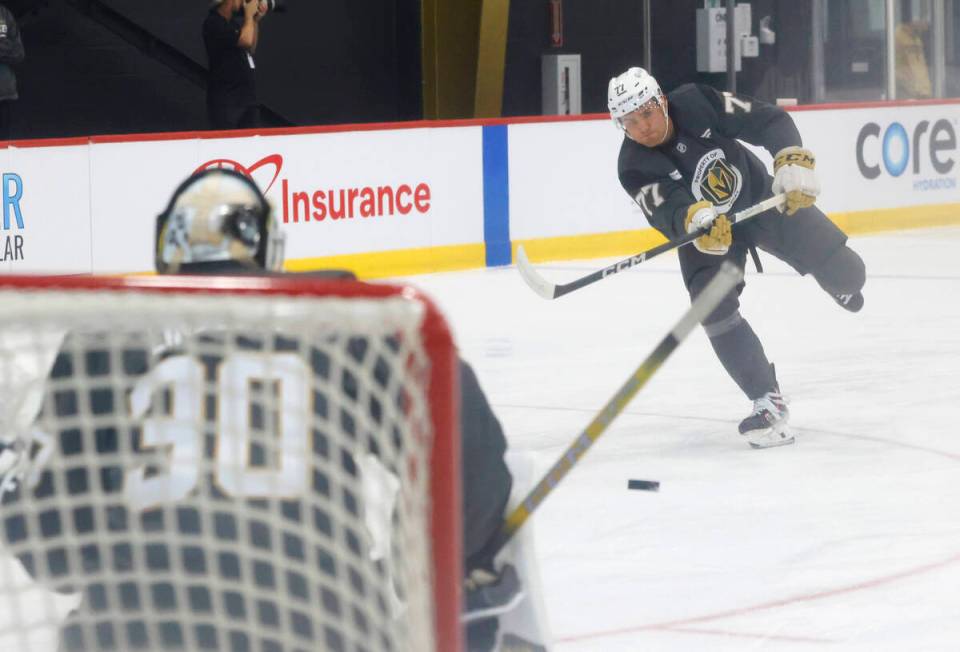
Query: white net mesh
{"points": [[198, 472]]}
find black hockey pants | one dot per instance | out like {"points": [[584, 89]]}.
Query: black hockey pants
{"points": [[810, 243]]}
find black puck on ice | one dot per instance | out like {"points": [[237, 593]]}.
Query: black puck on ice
{"points": [[643, 485]]}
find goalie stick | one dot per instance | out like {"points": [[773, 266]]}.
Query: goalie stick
{"points": [[724, 281], [549, 290]]}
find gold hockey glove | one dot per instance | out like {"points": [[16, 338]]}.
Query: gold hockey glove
{"points": [[719, 237], [794, 175]]}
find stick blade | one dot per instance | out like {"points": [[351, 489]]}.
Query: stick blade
{"points": [[537, 283]]}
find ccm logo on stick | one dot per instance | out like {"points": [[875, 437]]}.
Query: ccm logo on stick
{"points": [[896, 148]]}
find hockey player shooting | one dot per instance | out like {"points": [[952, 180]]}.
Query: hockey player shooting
{"points": [[682, 163]]}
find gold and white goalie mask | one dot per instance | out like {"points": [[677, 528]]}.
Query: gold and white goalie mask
{"points": [[218, 220]]}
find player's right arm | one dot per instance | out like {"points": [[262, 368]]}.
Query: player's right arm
{"points": [[769, 126], [657, 187]]}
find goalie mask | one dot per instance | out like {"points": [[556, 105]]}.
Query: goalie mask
{"points": [[631, 91], [217, 220]]}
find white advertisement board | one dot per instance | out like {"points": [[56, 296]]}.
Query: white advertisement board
{"points": [[356, 192], [563, 181], [884, 157], [81, 207], [45, 210], [563, 176], [131, 183], [333, 193]]}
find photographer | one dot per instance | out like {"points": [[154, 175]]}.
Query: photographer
{"points": [[11, 52], [230, 35]]}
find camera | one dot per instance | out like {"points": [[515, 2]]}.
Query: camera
{"points": [[278, 6]]}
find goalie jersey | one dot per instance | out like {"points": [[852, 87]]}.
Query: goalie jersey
{"points": [[704, 160], [181, 488]]}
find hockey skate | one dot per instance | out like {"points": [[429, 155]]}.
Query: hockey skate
{"points": [[852, 302], [767, 426]]}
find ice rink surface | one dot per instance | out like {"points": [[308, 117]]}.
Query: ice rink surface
{"points": [[847, 540]]}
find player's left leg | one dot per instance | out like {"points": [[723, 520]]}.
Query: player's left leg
{"points": [[843, 275], [810, 243]]}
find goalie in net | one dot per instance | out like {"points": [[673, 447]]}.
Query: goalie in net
{"points": [[166, 544]]}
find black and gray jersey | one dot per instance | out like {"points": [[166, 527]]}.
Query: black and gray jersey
{"points": [[704, 160], [200, 475]]}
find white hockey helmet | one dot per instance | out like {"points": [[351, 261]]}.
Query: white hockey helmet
{"points": [[629, 91], [217, 221]]}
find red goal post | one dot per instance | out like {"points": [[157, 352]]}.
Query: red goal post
{"points": [[36, 304]]}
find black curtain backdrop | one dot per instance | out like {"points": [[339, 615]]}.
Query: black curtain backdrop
{"points": [[318, 63], [353, 61]]}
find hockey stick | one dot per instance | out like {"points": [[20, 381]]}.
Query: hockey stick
{"points": [[549, 290], [703, 305]]}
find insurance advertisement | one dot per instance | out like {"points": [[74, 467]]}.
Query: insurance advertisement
{"points": [[333, 194]]}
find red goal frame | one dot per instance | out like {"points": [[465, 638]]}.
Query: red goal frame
{"points": [[445, 490]]}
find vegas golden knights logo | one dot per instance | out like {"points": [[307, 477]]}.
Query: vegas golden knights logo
{"points": [[720, 183]]}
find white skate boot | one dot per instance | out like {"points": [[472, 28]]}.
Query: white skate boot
{"points": [[767, 425]]}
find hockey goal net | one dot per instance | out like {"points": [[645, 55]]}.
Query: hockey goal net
{"points": [[257, 464]]}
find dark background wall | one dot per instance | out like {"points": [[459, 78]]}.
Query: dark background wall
{"points": [[80, 78], [608, 34], [606, 45], [318, 63], [126, 66]]}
